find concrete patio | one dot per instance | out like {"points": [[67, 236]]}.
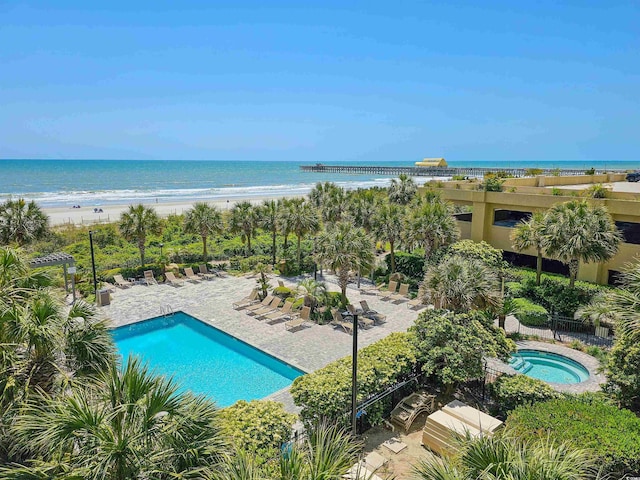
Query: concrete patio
{"points": [[211, 301]]}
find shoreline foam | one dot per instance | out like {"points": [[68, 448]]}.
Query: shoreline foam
{"points": [[111, 213]]}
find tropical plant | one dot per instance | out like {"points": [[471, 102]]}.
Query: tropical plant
{"points": [[22, 222], [388, 227], [596, 191], [244, 220], [344, 249], [430, 225], [313, 292], [509, 457], [402, 190], [529, 234], [451, 346], [268, 219], [492, 184], [138, 222], [576, 231], [262, 271], [460, 284], [362, 206], [127, 424], [204, 220], [303, 219], [330, 199]]}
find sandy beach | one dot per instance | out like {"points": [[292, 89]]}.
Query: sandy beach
{"points": [[111, 213]]}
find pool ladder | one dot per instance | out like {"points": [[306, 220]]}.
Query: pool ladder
{"points": [[166, 310]]}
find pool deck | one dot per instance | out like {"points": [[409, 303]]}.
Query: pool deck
{"points": [[308, 348]]}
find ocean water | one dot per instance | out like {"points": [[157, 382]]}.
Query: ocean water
{"points": [[204, 359], [58, 183]]}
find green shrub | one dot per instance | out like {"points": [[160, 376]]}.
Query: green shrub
{"points": [[492, 184], [532, 172], [554, 292], [284, 292], [529, 313], [513, 289], [612, 434], [623, 370], [482, 251], [409, 264], [258, 426], [511, 391], [298, 303], [326, 393]]}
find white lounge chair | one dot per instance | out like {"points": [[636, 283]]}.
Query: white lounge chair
{"points": [[121, 282]]}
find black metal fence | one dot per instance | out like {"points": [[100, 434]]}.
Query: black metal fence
{"points": [[567, 330], [479, 387]]}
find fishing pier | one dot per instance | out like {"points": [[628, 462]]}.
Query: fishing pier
{"points": [[440, 171]]}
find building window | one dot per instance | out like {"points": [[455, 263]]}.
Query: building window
{"points": [[509, 218], [529, 261], [630, 232], [463, 217], [615, 278]]}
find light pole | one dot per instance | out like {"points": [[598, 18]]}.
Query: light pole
{"points": [[93, 264], [354, 377], [315, 265], [161, 245]]}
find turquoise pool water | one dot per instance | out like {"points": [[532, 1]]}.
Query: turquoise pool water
{"points": [[204, 359], [549, 367]]}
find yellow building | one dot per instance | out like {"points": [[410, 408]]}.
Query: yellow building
{"points": [[432, 162], [495, 214]]}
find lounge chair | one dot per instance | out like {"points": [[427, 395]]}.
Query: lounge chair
{"points": [[393, 286], [401, 296], [204, 273], [372, 314], [300, 321], [192, 277], [250, 299], [149, 279], [417, 303], [280, 314], [272, 307], [363, 320], [338, 321], [265, 301], [171, 278], [410, 407], [121, 282]]}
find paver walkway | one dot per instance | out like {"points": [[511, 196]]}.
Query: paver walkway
{"points": [[211, 301]]}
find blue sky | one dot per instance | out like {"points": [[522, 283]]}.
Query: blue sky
{"points": [[320, 81]]}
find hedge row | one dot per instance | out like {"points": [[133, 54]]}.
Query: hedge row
{"points": [[326, 393], [511, 391], [612, 434], [554, 292]]}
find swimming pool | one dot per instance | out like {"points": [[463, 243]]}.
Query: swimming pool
{"points": [[204, 359], [549, 367]]}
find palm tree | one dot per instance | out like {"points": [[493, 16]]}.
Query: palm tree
{"points": [[345, 248], [529, 235], [204, 220], [285, 206], [137, 223], [402, 190], [303, 219], [22, 222], [388, 226], [431, 225], [330, 199], [362, 205], [576, 231], [313, 292], [268, 219], [461, 284], [127, 424], [244, 220], [509, 458]]}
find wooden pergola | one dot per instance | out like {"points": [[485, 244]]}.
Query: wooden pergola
{"points": [[53, 259]]}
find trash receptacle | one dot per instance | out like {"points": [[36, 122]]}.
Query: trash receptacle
{"points": [[103, 298]]}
